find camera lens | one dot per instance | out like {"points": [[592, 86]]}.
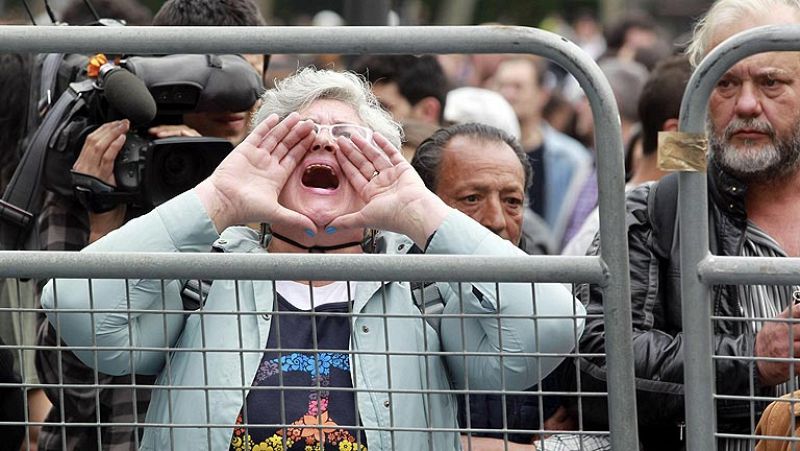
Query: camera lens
{"points": [[180, 168], [180, 164]]}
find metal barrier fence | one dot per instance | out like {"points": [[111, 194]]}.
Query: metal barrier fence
{"points": [[610, 271], [701, 270]]}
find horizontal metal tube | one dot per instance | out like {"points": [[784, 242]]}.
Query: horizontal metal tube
{"points": [[716, 270], [346, 40], [455, 268]]}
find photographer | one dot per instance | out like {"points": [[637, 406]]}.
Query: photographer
{"points": [[65, 224]]}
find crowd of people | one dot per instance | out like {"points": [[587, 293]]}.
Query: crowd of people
{"points": [[410, 154]]}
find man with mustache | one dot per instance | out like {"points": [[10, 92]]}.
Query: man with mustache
{"points": [[753, 128]]}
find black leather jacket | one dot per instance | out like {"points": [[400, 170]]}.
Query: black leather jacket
{"points": [[656, 312]]}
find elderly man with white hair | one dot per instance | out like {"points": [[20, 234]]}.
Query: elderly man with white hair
{"points": [[753, 127]]}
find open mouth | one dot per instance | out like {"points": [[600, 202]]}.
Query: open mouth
{"points": [[320, 176]]}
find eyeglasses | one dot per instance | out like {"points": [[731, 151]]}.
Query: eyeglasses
{"points": [[344, 129]]}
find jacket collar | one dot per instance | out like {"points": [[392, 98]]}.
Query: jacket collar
{"points": [[386, 243], [727, 192], [244, 239]]}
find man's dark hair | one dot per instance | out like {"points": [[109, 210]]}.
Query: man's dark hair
{"points": [[15, 82], [131, 11], [417, 77], [428, 156], [661, 98], [617, 32], [223, 13]]}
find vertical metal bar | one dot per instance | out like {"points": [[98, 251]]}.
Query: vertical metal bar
{"points": [[390, 390], [168, 366], [312, 316], [698, 366], [21, 354], [503, 388], [423, 316], [360, 431], [60, 364], [134, 388], [614, 241], [277, 315], [203, 344], [95, 373], [244, 380], [540, 394]]}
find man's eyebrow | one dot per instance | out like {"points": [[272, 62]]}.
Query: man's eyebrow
{"points": [[772, 72], [472, 186], [513, 189]]}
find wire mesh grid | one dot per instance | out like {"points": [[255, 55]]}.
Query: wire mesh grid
{"points": [[610, 272], [753, 410], [411, 395]]}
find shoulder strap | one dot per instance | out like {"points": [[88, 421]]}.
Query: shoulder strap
{"points": [[429, 301], [48, 81], [21, 201], [662, 210]]}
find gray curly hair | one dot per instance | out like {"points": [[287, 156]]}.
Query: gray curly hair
{"points": [[297, 91], [727, 12]]}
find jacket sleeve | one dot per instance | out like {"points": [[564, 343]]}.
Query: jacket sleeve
{"points": [[492, 332], [128, 316], [657, 345]]}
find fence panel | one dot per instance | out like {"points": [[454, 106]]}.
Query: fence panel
{"points": [[611, 271], [701, 270]]}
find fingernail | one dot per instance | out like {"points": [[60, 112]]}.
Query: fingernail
{"points": [[330, 230], [310, 233]]}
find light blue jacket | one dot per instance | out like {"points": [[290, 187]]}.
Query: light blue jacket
{"points": [[388, 399]]}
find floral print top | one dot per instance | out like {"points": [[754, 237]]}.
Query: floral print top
{"points": [[316, 418]]}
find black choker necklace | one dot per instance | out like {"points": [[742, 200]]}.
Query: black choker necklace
{"points": [[315, 249]]}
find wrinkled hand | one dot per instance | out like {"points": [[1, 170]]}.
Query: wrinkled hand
{"points": [[781, 340], [395, 197], [167, 131], [101, 149], [245, 186]]}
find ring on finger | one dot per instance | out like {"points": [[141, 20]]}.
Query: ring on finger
{"points": [[375, 174]]}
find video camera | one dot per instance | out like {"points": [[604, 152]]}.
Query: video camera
{"points": [[147, 90]]}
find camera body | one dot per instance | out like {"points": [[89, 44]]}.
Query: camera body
{"points": [[150, 171]]}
